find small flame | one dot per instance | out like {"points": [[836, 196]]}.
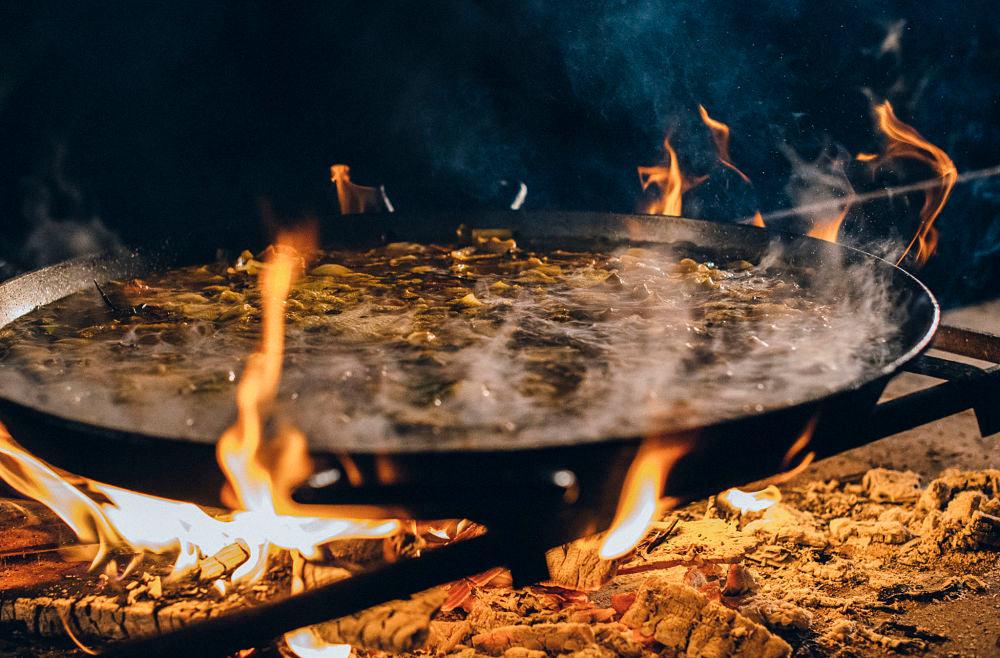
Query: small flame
{"points": [[306, 644], [753, 501], [906, 142], [826, 178], [828, 229], [640, 497], [720, 135], [792, 455], [353, 198], [671, 182]]}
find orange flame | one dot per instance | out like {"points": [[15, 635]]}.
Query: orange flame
{"points": [[720, 135], [260, 475], [671, 182], [831, 175], [905, 142], [353, 198], [828, 229], [641, 496], [36, 479]]}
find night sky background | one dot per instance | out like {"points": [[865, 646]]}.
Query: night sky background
{"points": [[135, 121]]}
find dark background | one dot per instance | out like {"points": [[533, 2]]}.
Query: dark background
{"points": [[132, 121]]}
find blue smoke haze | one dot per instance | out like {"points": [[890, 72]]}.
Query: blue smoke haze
{"points": [[177, 115]]}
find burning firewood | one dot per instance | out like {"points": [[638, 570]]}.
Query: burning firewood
{"points": [[223, 562], [713, 586]]}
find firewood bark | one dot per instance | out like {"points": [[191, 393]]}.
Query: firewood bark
{"points": [[106, 617]]}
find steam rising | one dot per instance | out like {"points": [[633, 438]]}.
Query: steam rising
{"points": [[562, 365]]}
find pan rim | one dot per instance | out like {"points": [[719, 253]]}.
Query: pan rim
{"points": [[137, 257]]}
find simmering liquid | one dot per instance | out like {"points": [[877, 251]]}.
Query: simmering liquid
{"points": [[448, 346]]}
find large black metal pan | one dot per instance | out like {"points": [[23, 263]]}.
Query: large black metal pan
{"points": [[719, 455]]}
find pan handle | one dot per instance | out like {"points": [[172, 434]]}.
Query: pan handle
{"points": [[965, 385]]}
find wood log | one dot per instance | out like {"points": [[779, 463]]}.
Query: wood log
{"points": [[91, 606], [224, 562], [578, 565], [396, 626]]}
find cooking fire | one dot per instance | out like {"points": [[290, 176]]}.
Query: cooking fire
{"points": [[514, 401]]}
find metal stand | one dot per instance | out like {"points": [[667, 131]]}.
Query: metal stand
{"points": [[965, 386]]}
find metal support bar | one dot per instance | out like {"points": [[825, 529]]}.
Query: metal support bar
{"points": [[966, 386], [259, 625], [519, 533], [934, 366], [973, 344]]}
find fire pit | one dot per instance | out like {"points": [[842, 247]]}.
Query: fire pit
{"points": [[501, 433], [529, 500]]}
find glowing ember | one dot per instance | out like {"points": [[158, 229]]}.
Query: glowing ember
{"points": [[905, 142], [720, 135], [753, 501], [640, 497], [306, 644]]}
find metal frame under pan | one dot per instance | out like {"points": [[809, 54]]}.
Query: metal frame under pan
{"points": [[718, 456]]}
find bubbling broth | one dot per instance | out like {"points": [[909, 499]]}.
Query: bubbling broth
{"points": [[416, 346]]}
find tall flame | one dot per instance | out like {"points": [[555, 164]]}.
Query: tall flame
{"points": [[260, 474], [720, 135], [905, 142], [641, 496], [671, 182]]}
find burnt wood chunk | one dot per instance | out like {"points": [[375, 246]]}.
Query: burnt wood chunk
{"points": [[225, 561], [687, 623], [578, 565]]}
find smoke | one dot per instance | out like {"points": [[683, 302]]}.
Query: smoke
{"points": [[55, 210], [440, 101], [818, 181]]}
